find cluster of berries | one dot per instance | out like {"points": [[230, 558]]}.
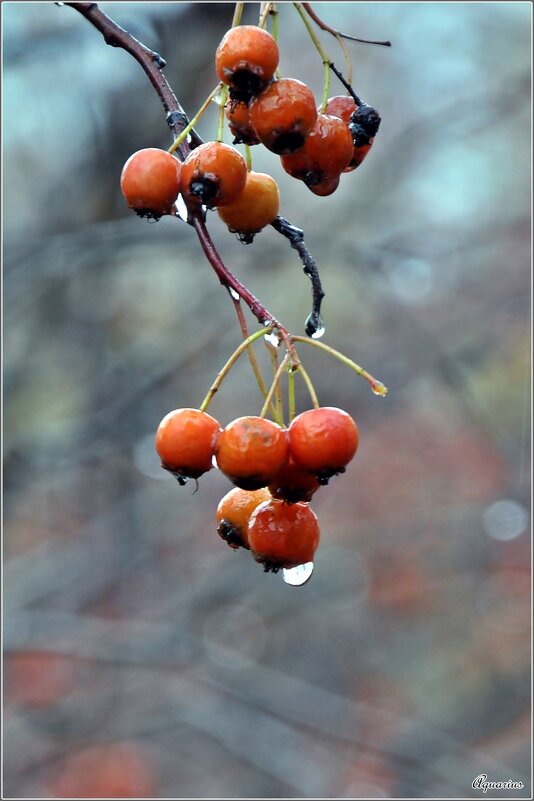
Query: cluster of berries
{"points": [[314, 147], [275, 470]]}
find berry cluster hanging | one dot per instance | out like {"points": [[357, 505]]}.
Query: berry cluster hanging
{"points": [[275, 467]]}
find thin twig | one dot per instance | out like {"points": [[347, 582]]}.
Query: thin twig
{"points": [[325, 27], [151, 62], [314, 323]]}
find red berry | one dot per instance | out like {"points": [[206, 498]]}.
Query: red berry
{"points": [[238, 116], [246, 59], [150, 181], [233, 514], [325, 188], [323, 441], [256, 206], [213, 173], [325, 153], [185, 442], [251, 451], [283, 115], [294, 484], [282, 535], [344, 107]]}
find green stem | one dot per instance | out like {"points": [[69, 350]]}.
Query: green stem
{"points": [[377, 386], [238, 13], [275, 386], [178, 141], [346, 56], [250, 350], [279, 406], [327, 61], [220, 126], [248, 157], [274, 14], [311, 389], [291, 394], [326, 86], [264, 13], [221, 375]]}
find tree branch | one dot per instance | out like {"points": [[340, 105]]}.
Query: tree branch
{"points": [[151, 62], [323, 25], [314, 323]]}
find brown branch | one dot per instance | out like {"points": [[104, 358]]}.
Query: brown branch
{"points": [[151, 62], [325, 27], [229, 280]]}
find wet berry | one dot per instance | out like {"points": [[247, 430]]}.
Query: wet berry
{"points": [[251, 451], [283, 115], [185, 442], [150, 182], [282, 535], [246, 59], [323, 441], [294, 484], [325, 153], [256, 206], [238, 116], [233, 514], [213, 173], [362, 123], [325, 188]]}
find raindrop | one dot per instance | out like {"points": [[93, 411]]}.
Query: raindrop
{"points": [[182, 208], [379, 389], [234, 294], [314, 326], [220, 98], [319, 332], [299, 575], [272, 339]]}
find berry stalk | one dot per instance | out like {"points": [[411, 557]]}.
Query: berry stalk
{"points": [[223, 372]]}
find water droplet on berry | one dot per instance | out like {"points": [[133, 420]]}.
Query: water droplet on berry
{"points": [[234, 294], [299, 575]]}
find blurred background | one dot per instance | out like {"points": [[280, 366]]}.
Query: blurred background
{"points": [[143, 657]]}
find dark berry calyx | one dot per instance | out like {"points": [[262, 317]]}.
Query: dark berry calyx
{"points": [[364, 124], [230, 534]]}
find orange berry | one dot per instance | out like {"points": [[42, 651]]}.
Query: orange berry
{"points": [[150, 182], [233, 514], [251, 451], [246, 59], [185, 442], [325, 188], [293, 484], [256, 206], [323, 441], [282, 535], [213, 173], [325, 153], [283, 115], [238, 116]]}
